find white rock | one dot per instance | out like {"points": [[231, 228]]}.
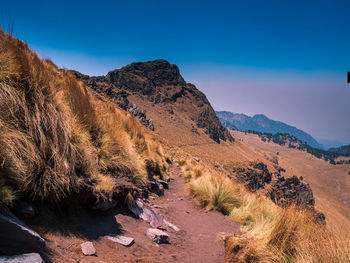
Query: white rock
{"points": [[123, 240], [88, 248], [172, 226]]}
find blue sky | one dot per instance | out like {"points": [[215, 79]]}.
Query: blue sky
{"points": [[287, 60]]}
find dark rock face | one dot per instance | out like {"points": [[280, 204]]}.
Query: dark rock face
{"points": [[161, 83], [255, 177], [156, 187], [24, 258], [292, 190], [17, 238], [208, 120], [286, 192], [145, 76]]}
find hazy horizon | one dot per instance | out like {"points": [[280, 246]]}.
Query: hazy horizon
{"points": [[287, 61]]}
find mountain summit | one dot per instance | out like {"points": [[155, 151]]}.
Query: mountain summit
{"points": [[261, 123], [158, 87]]}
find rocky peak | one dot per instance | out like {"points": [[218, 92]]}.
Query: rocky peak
{"points": [[145, 76], [158, 82]]}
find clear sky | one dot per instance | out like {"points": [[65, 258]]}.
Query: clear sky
{"points": [[285, 59]]}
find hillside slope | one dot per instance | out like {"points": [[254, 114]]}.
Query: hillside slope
{"points": [[59, 140], [261, 123]]}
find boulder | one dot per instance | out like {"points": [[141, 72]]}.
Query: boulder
{"points": [[88, 248], [123, 240], [24, 258], [156, 187], [23, 210], [158, 236], [291, 190], [139, 209], [17, 238], [196, 159]]}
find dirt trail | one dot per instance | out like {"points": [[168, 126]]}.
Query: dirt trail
{"points": [[197, 240]]}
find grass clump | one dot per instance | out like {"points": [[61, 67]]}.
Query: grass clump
{"points": [[214, 193], [292, 236]]}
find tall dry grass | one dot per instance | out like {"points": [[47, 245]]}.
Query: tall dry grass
{"points": [[293, 237], [268, 232], [55, 136]]}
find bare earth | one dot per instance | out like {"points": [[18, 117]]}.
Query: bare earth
{"points": [[197, 240]]}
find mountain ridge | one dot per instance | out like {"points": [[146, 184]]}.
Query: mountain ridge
{"points": [[159, 83], [261, 123]]}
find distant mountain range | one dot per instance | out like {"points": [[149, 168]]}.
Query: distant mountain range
{"points": [[329, 143], [261, 123], [344, 150]]}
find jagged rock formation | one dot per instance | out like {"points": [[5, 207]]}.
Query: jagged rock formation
{"points": [[291, 190], [286, 192], [283, 192], [160, 83], [254, 177]]}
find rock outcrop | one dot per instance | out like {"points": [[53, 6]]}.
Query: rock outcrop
{"points": [[254, 177], [24, 258], [161, 83], [17, 238], [291, 190]]}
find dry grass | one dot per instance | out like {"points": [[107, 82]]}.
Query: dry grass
{"points": [[214, 192], [293, 237], [54, 133], [269, 233]]}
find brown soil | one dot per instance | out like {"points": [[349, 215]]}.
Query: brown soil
{"points": [[197, 240]]}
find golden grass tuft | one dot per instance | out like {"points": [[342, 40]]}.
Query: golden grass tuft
{"points": [[214, 192], [291, 235]]}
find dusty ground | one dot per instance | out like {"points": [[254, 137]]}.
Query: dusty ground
{"points": [[197, 240], [330, 183]]}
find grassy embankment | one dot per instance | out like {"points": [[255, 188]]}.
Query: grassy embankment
{"points": [[57, 137], [269, 233]]}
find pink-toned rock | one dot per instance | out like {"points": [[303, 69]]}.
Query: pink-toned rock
{"points": [[158, 236], [123, 240], [139, 209], [88, 248], [157, 220]]}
